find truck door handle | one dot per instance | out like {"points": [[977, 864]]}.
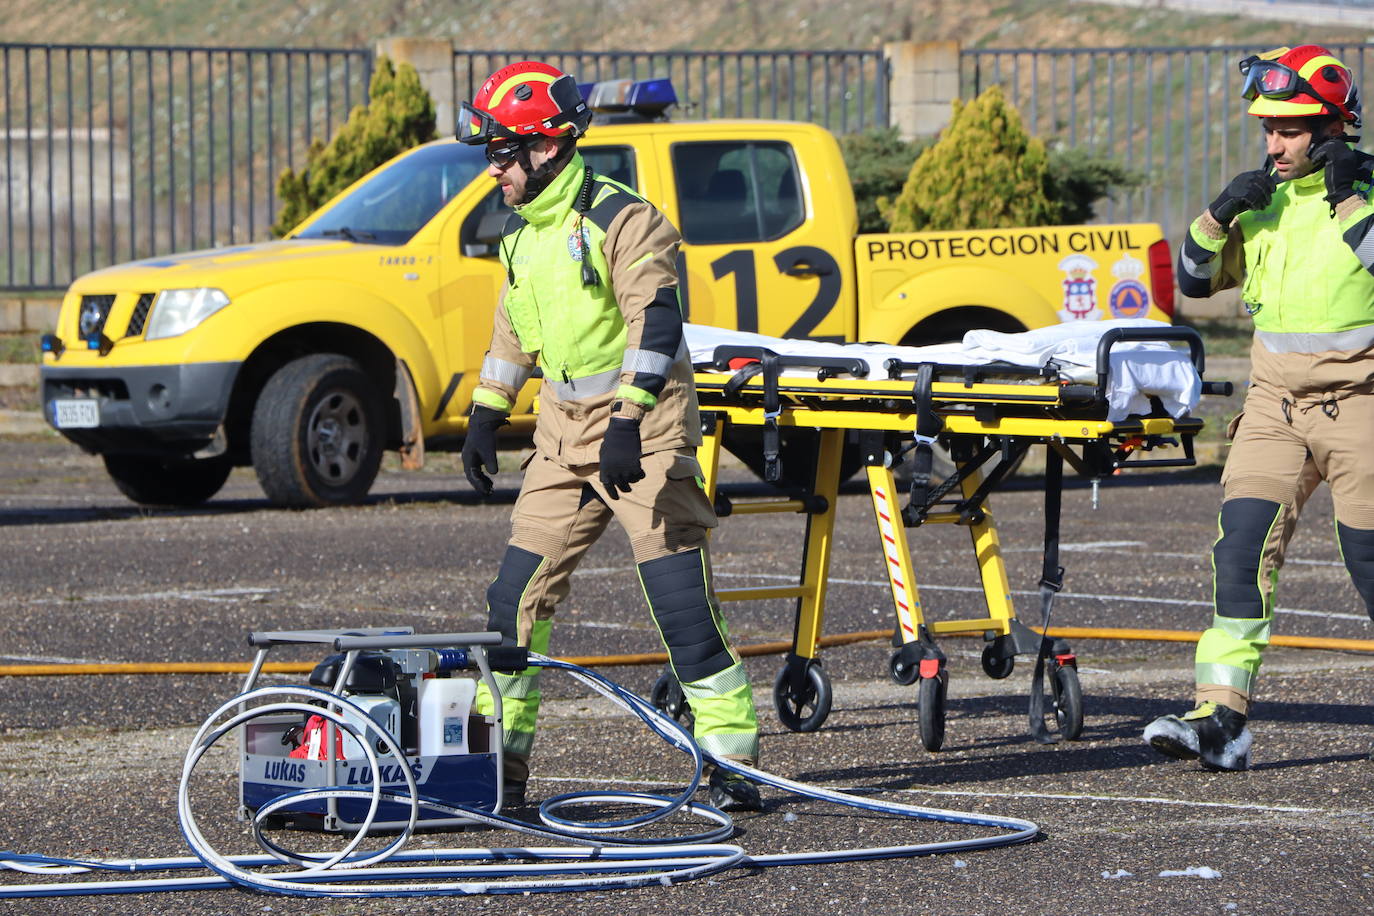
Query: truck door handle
{"points": [[805, 269]]}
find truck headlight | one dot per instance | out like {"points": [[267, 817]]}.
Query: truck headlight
{"points": [[176, 311]]}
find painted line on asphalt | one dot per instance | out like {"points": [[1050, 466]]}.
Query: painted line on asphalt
{"points": [[50, 660], [1062, 596], [964, 793], [219, 595]]}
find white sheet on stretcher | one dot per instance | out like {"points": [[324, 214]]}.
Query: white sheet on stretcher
{"points": [[1139, 369]]}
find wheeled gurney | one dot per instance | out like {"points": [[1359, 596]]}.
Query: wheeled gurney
{"points": [[1081, 395]]}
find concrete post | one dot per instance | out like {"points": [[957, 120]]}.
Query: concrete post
{"points": [[925, 80], [432, 59]]}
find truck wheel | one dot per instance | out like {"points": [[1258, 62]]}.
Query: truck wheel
{"points": [[163, 482], [317, 432]]}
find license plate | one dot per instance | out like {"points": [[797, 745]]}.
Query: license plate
{"points": [[82, 413]]}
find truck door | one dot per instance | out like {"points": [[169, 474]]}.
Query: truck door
{"points": [[757, 257]]}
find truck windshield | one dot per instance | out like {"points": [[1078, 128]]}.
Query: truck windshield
{"points": [[395, 203]]}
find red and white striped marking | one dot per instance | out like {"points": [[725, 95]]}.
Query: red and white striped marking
{"points": [[882, 506]]}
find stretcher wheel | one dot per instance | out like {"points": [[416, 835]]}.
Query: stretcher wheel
{"points": [[667, 697], [806, 710], [996, 666], [902, 671], [1068, 701], [931, 699]]}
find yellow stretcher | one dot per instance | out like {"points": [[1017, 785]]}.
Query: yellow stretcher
{"points": [[979, 413]]}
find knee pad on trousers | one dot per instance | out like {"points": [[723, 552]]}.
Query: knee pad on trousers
{"points": [[676, 588], [503, 596], [1246, 524], [1357, 547]]}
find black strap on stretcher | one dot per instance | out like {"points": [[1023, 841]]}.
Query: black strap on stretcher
{"points": [[1051, 582], [928, 425], [770, 365], [767, 364]]}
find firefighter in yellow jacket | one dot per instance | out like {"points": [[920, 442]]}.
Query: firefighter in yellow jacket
{"points": [[1298, 237], [591, 299]]}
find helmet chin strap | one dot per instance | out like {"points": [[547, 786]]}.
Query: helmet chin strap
{"points": [[539, 177]]}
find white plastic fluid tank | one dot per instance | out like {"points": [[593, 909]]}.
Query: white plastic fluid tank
{"points": [[445, 703]]}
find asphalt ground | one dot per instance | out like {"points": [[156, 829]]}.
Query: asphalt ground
{"points": [[89, 765]]}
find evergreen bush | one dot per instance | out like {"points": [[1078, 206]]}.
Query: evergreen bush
{"points": [[984, 172], [398, 116]]}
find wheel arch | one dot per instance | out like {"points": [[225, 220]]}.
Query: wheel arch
{"points": [[950, 324], [372, 355]]}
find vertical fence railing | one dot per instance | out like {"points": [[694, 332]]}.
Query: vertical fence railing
{"points": [[113, 153], [842, 90], [1174, 115]]}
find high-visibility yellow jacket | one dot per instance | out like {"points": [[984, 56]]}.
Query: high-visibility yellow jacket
{"points": [[608, 338]]}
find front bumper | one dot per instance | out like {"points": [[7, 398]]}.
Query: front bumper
{"points": [[167, 410]]}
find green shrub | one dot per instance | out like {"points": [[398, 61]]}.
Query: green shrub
{"points": [[985, 172], [878, 161], [398, 116]]}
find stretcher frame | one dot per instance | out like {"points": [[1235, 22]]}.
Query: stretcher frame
{"points": [[979, 420]]}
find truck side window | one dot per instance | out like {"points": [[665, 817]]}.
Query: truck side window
{"points": [[736, 191], [615, 162], [480, 236]]}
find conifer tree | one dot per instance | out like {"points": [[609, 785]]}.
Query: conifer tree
{"points": [[985, 172], [399, 115]]}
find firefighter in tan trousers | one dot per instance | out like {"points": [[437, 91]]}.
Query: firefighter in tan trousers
{"points": [[1298, 237], [591, 298]]}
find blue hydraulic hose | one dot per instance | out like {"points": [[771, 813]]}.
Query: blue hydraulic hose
{"points": [[603, 857]]}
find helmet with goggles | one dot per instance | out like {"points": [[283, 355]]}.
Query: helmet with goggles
{"points": [[524, 100], [1302, 82]]}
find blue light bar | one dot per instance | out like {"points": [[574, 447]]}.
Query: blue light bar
{"points": [[646, 98]]}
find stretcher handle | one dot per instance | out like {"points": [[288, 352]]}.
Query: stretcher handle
{"points": [[825, 366], [1116, 335], [266, 638], [416, 641], [1222, 389]]}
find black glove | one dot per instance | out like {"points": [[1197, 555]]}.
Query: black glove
{"points": [[1247, 191], [1341, 167], [479, 448], [620, 456]]}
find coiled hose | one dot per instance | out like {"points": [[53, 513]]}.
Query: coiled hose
{"points": [[602, 856]]}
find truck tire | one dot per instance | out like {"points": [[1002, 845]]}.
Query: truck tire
{"points": [[317, 433], [168, 482]]}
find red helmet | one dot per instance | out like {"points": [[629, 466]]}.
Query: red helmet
{"points": [[1299, 83], [523, 99]]}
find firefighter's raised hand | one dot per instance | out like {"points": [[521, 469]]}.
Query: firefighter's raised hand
{"points": [[1340, 166], [1247, 191], [620, 452], [479, 448]]}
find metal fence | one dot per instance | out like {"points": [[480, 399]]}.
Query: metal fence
{"points": [[842, 90], [115, 153], [1173, 115]]}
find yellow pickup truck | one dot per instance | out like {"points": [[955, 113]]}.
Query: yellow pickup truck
{"points": [[364, 329]]}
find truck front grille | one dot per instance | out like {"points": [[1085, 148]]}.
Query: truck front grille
{"points": [[140, 315]]}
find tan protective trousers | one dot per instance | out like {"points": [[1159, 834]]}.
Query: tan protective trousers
{"points": [[1283, 447], [561, 512]]}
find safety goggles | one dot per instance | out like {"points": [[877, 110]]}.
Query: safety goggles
{"points": [[1274, 80], [476, 126], [502, 153]]}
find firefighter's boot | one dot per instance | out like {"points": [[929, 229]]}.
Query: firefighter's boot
{"points": [[1213, 734]]}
